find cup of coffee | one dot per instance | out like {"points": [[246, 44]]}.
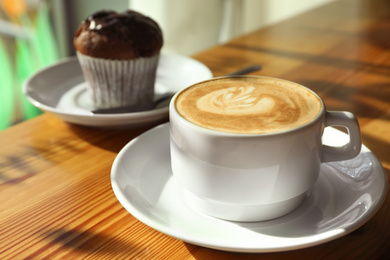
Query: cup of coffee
{"points": [[249, 148]]}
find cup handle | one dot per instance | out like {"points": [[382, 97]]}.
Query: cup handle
{"points": [[349, 150]]}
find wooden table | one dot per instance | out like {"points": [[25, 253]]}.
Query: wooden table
{"points": [[56, 197]]}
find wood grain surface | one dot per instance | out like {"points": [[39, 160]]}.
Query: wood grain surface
{"points": [[56, 200]]}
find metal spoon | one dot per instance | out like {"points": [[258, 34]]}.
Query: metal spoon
{"points": [[164, 97]]}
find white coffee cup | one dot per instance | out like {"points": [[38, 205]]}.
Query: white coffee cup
{"points": [[253, 177]]}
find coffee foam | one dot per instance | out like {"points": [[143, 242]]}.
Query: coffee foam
{"points": [[248, 105]]}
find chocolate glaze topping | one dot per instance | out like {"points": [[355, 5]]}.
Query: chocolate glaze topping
{"points": [[111, 35]]}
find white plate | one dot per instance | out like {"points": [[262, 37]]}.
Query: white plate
{"points": [[61, 90], [346, 195]]}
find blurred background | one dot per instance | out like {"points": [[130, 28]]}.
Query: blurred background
{"points": [[37, 33]]}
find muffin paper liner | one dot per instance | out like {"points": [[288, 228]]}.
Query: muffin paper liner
{"points": [[117, 83]]}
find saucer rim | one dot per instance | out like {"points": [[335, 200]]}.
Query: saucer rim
{"points": [[374, 208]]}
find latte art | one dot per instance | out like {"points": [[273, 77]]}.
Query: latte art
{"points": [[233, 101], [237, 101], [248, 105]]}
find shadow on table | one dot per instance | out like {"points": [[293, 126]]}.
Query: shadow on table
{"points": [[89, 241], [109, 139]]}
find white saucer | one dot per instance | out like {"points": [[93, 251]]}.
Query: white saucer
{"points": [[346, 195], [61, 90]]}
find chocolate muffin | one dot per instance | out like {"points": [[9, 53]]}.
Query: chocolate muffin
{"points": [[118, 53]]}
